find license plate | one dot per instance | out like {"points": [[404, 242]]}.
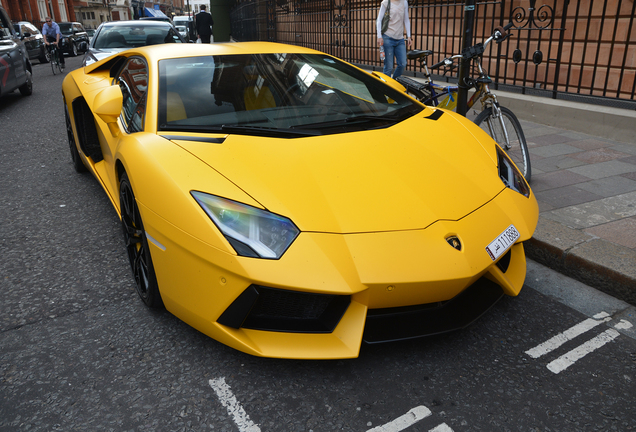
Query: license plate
{"points": [[503, 242]]}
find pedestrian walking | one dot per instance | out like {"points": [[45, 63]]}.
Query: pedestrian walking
{"points": [[392, 22], [52, 35], [204, 25]]}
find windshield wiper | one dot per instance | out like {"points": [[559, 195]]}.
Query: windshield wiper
{"points": [[349, 121], [243, 130], [266, 131]]}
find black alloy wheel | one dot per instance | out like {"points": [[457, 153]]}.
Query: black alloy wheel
{"points": [[137, 246], [78, 164]]}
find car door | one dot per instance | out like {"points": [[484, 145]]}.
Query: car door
{"points": [[133, 81], [35, 40], [10, 55], [28, 38], [80, 34]]}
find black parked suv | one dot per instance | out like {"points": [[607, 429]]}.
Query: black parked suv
{"points": [[15, 66], [73, 34], [33, 41]]}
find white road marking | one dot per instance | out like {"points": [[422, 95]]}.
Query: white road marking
{"points": [[623, 325], [402, 422], [567, 360], [569, 334], [441, 428], [234, 408]]}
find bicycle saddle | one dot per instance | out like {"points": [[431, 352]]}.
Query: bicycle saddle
{"points": [[416, 54]]}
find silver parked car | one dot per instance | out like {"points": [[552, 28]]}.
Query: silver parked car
{"points": [[116, 36]]}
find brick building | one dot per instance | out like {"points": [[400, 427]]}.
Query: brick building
{"points": [[90, 13]]}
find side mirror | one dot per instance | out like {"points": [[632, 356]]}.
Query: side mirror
{"points": [[83, 46], [26, 35], [108, 105]]}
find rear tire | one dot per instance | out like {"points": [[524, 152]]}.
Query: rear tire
{"points": [[516, 148], [27, 88], [137, 246]]}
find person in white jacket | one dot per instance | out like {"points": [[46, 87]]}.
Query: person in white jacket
{"points": [[393, 39]]}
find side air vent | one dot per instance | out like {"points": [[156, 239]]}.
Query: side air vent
{"points": [[86, 130]]}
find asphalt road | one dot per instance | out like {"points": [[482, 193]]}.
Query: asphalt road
{"points": [[79, 351]]}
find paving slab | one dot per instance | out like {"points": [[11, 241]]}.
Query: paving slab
{"points": [[584, 178]]}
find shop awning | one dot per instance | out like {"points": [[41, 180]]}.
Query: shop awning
{"points": [[153, 13]]}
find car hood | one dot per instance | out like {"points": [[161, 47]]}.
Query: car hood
{"points": [[404, 177]]}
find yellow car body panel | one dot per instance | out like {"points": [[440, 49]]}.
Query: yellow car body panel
{"points": [[374, 207]]}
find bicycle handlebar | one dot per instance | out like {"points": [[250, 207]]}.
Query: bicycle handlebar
{"points": [[499, 35]]}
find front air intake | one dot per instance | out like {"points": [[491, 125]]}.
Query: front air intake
{"points": [[271, 309]]}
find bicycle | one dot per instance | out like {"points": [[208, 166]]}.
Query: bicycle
{"points": [[499, 122], [54, 54]]}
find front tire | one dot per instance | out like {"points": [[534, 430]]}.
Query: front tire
{"points": [[516, 146], [137, 246], [53, 60], [73, 49], [75, 156]]}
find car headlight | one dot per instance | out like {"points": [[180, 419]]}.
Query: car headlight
{"points": [[251, 231], [510, 174]]}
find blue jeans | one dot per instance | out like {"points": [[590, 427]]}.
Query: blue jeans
{"points": [[394, 48]]}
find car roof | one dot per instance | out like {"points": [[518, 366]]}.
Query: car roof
{"points": [[155, 53], [136, 23]]}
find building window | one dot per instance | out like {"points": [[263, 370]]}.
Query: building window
{"points": [[62, 6], [42, 10]]}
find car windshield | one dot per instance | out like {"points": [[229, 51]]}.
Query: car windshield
{"points": [[135, 36], [66, 28], [275, 94]]}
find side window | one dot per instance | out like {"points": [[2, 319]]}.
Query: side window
{"points": [[5, 29], [133, 81]]}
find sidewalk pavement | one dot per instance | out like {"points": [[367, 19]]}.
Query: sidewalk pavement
{"points": [[584, 178]]}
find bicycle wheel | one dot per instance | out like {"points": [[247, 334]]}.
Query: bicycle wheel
{"points": [[58, 53], [53, 60], [507, 132]]}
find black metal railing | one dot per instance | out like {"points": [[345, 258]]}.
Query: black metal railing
{"points": [[584, 51]]}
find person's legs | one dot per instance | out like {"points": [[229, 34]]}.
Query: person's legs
{"points": [[205, 39], [400, 58], [388, 55]]}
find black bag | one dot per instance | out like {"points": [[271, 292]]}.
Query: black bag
{"points": [[386, 18]]}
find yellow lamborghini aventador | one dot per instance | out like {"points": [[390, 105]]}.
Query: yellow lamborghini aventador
{"points": [[289, 204]]}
